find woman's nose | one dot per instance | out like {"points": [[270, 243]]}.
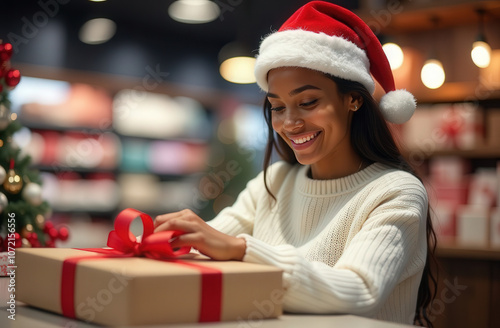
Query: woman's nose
{"points": [[293, 121]]}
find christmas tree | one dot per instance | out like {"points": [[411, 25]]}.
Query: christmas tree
{"points": [[23, 212]]}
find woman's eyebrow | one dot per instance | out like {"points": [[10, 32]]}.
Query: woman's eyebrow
{"points": [[295, 91]]}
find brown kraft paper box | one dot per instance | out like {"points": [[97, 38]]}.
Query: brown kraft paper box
{"points": [[139, 291]]}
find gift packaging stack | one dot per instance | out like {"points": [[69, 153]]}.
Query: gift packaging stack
{"points": [[465, 203], [447, 141]]}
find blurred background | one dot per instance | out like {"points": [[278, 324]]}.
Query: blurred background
{"points": [[152, 104]]}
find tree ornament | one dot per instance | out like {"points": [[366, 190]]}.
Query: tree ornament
{"points": [[33, 239], [3, 201], [13, 183], [17, 240], [3, 174], [12, 77], [48, 225], [32, 193], [53, 233], [25, 243], [40, 221], [27, 230], [63, 233], [4, 117], [5, 51]]}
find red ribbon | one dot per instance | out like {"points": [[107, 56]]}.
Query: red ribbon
{"points": [[152, 245]]}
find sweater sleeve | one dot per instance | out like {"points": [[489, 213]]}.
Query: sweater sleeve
{"points": [[373, 262]]}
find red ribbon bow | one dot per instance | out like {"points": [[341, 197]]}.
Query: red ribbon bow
{"points": [[152, 245]]}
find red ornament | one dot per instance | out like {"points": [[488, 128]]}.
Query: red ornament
{"points": [[50, 243], [53, 234], [12, 77], [33, 239], [63, 233], [48, 225], [18, 242], [5, 51]]}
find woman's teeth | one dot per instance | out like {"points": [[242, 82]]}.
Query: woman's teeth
{"points": [[305, 139]]}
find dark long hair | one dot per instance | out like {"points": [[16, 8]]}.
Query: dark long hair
{"points": [[373, 141]]}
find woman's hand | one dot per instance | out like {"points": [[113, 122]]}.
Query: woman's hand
{"points": [[201, 236]]}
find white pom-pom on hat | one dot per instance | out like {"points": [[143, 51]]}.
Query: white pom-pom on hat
{"points": [[397, 106], [328, 38]]}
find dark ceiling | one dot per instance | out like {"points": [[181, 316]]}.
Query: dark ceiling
{"points": [[45, 33]]}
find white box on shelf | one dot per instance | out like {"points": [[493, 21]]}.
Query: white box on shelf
{"points": [[483, 189], [473, 225], [495, 227]]}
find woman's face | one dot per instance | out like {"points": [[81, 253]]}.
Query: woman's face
{"points": [[311, 115]]}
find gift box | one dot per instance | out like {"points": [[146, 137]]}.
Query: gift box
{"points": [[139, 286], [483, 189], [473, 225]]}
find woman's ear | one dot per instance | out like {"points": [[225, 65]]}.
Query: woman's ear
{"points": [[355, 101]]}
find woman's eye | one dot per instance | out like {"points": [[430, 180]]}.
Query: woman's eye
{"points": [[277, 108], [309, 103]]}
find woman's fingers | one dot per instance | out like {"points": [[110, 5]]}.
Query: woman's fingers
{"points": [[200, 235], [166, 221]]}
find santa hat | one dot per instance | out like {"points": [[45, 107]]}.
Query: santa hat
{"points": [[331, 39]]}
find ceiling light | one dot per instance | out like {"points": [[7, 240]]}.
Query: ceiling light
{"points": [[394, 54], [194, 11], [238, 70], [481, 54], [481, 50], [432, 74], [237, 64], [98, 30]]}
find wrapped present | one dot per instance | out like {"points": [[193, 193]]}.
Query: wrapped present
{"points": [[473, 225], [146, 282], [483, 189]]}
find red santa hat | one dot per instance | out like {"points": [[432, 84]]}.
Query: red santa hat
{"points": [[331, 39]]}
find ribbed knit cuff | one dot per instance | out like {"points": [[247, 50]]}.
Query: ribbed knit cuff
{"points": [[283, 256]]}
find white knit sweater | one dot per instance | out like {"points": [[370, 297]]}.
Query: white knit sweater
{"points": [[352, 245]]}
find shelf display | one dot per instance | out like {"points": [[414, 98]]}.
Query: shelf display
{"points": [[97, 150]]}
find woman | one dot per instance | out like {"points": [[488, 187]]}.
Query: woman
{"points": [[342, 214]]}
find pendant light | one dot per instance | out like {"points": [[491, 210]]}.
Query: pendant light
{"points": [[432, 73], [481, 50], [236, 63], [194, 11], [236, 59]]}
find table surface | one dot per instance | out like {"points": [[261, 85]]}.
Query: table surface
{"points": [[29, 317]]}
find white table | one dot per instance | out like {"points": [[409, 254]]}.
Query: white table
{"points": [[29, 317]]}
